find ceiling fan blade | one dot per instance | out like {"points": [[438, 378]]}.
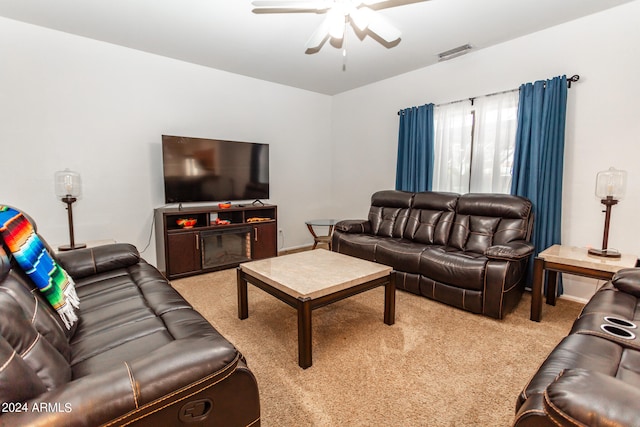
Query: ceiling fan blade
{"points": [[360, 18], [383, 28], [319, 35], [293, 4]]}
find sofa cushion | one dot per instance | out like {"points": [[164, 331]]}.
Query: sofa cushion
{"points": [[389, 212], [610, 301], [454, 267], [472, 233], [96, 260], [484, 220], [51, 367], [357, 245], [401, 254], [431, 218], [122, 317], [628, 281]]}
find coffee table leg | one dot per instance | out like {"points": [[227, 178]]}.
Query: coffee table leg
{"points": [[243, 306], [304, 333], [390, 300], [552, 286], [536, 289]]}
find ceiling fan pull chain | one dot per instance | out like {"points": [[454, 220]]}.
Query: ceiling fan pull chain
{"points": [[344, 46]]}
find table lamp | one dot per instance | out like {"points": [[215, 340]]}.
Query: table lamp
{"points": [[610, 188], [68, 188]]}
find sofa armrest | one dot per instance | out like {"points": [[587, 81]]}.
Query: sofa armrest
{"points": [[583, 397], [134, 389], [628, 280], [512, 251], [357, 226], [81, 263]]}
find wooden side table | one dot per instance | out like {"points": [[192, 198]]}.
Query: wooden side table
{"points": [[572, 260]]}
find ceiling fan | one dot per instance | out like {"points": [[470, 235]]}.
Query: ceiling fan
{"points": [[339, 13]]}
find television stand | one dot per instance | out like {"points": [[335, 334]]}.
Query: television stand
{"points": [[257, 202], [221, 237]]}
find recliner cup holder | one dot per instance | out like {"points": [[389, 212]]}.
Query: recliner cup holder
{"points": [[617, 331], [620, 322]]}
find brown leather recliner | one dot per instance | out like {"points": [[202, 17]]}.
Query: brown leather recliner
{"points": [[592, 377], [139, 353], [469, 251]]}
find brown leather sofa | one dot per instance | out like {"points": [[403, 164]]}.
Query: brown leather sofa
{"points": [[139, 354], [592, 377], [469, 251]]}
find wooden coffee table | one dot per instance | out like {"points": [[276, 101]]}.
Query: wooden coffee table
{"points": [[312, 279]]}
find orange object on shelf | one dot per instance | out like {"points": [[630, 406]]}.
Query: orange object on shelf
{"points": [[186, 222]]}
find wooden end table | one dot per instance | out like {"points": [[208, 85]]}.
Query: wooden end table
{"points": [[313, 279], [572, 260], [321, 223]]}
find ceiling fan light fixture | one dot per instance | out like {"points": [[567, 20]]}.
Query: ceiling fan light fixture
{"points": [[455, 52], [339, 15], [337, 23]]}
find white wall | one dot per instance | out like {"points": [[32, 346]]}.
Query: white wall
{"points": [[100, 109], [602, 125], [67, 101]]}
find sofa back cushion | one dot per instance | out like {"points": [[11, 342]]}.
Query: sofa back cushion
{"points": [[484, 220], [34, 351], [389, 212], [431, 217]]}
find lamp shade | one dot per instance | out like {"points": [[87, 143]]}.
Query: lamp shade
{"points": [[611, 183], [68, 183]]}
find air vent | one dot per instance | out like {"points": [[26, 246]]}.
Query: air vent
{"points": [[455, 52]]}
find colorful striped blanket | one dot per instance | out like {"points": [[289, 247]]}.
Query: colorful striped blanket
{"points": [[32, 256]]}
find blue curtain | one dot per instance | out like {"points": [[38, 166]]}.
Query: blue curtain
{"points": [[415, 149], [539, 157]]}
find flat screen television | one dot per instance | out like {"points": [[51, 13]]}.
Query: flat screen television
{"points": [[208, 170]]}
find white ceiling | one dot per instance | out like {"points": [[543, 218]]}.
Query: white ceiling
{"points": [[227, 35]]}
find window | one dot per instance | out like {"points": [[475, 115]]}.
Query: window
{"points": [[474, 144]]}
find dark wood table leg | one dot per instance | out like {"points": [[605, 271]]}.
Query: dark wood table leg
{"points": [[552, 286], [243, 306], [390, 300], [304, 333], [536, 289]]}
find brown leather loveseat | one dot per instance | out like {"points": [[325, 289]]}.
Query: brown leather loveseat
{"points": [[592, 377], [138, 354], [469, 251]]}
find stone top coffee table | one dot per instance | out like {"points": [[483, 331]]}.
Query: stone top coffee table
{"points": [[312, 279]]}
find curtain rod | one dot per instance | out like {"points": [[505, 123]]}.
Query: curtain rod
{"points": [[571, 79]]}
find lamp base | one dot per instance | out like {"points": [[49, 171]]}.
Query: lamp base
{"points": [[64, 248], [606, 253]]}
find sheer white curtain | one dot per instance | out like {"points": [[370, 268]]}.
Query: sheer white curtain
{"points": [[453, 125], [474, 144], [496, 121]]}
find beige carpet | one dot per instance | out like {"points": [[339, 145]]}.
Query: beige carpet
{"points": [[437, 366]]}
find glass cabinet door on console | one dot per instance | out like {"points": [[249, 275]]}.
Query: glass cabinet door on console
{"points": [[225, 247]]}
